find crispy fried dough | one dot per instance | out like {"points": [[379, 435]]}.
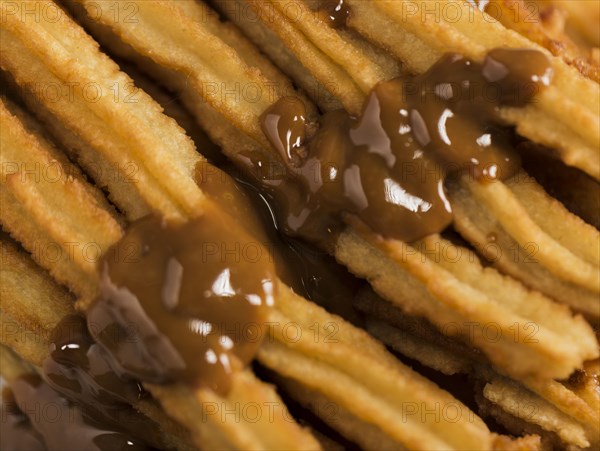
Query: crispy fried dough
{"points": [[248, 418], [31, 304], [295, 370], [582, 276], [548, 441], [521, 404], [429, 354], [272, 46], [171, 104], [194, 50], [93, 163], [554, 406], [37, 197], [350, 73], [299, 371], [100, 232], [451, 289], [527, 443], [532, 237], [582, 273], [349, 368], [213, 123], [582, 18], [111, 117], [582, 197], [364, 434], [579, 192], [239, 432]]}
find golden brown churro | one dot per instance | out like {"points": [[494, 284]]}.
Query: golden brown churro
{"points": [[531, 405], [102, 230], [325, 174], [466, 431]]}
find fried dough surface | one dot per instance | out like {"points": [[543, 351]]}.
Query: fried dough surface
{"points": [[200, 59], [186, 203]]}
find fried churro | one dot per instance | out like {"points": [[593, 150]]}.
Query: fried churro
{"points": [[559, 411], [350, 180], [100, 228], [305, 40], [283, 355], [530, 236]]}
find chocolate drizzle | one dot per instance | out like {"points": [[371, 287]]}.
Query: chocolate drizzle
{"points": [[388, 166], [186, 302], [81, 369], [83, 372], [45, 420], [309, 271], [334, 12]]}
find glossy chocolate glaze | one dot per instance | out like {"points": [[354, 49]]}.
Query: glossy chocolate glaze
{"points": [[334, 12], [186, 302], [388, 166], [46, 418], [308, 270], [83, 372]]}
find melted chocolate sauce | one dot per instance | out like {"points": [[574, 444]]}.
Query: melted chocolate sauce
{"points": [[81, 369], [309, 271], [334, 12], [186, 302], [83, 372], [45, 420], [388, 166]]}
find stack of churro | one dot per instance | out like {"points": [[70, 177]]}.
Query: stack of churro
{"points": [[146, 289]]}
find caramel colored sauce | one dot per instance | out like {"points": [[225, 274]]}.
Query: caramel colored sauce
{"points": [[309, 271], [519, 73], [82, 371], [46, 420], [334, 12], [388, 166], [186, 302]]}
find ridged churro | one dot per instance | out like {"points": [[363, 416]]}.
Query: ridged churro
{"points": [[361, 127]]}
